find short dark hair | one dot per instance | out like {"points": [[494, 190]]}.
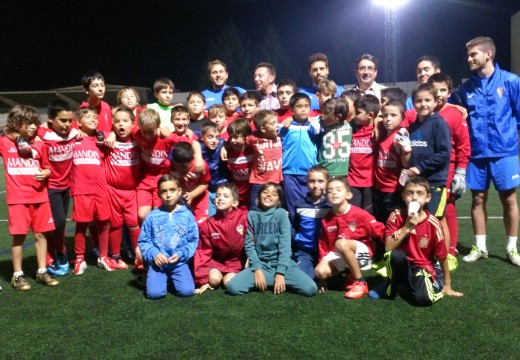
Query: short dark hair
{"points": [[231, 187], [367, 57], [229, 92], [239, 127], [352, 94], [89, 76], [268, 66], [124, 109], [432, 59], [182, 152], [57, 106], [423, 87], [317, 57], [262, 116], [369, 103], [441, 78], [338, 107], [162, 83], [394, 93], [485, 43], [398, 104], [250, 95], [419, 181], [165, 178], [288, 82], [298, 96], [279, 191], [210, 126]]}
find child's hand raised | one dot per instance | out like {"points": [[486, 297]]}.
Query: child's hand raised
{"points": [[260, 280]]}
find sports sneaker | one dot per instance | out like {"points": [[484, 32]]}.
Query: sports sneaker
{"points": [[105, 263], [514, 257], [55, 270], [453, 263], [475, 254], [47, 279], [119, 264], [63, 262], [80, 265], [21, 283], [367, 266], [379, 291], [358, 289], [349, 280], [138, 265]]}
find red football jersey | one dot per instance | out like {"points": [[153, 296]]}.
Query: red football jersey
{"points": [[362, 149], [460, 145], [356, 224], [267, 161], [88, 168], [104, 115], [239, 164], [283, 114], [388, 165], [59, 151], [20, 185], [123, 165], [425, 242]]}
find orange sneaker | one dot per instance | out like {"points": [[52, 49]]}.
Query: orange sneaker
{"points": [[119, 264], [138, 265], [357, 290], [349, 280]]}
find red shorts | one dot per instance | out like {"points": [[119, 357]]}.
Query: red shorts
{"points": [[23, 217], [90, 207], [147, 192], [123, 207]]}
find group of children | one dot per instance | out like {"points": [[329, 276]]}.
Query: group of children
{"points": [[241, 197]]}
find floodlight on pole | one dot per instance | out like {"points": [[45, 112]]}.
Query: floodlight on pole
{"points": [[390, 38]]}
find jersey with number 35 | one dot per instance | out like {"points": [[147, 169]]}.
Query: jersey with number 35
{"points": [[334, 148]]}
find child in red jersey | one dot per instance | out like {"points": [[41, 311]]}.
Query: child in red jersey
{"points": [[129, 97], [267, 146], [59, 139], [414, 242], [194, 184], [361, 169], [231, 102], [123, 166], [250, 106], [240, 158], [94, 86], [217, 115], [284, 92], [26, 170], [346, 240], [155, 150], [89, 191], [220, 254], [459, 158], [392, 157]]}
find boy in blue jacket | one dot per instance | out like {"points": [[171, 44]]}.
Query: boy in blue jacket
{"points": [[168, 239]]}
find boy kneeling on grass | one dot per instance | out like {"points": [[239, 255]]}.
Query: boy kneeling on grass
{"points": [[168, 239], [413, 242], [26, 169]]}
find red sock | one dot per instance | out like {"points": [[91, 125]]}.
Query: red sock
{"points": [[102, 227], [453, 226], [79, 239], [114, 239], [134, 236]]}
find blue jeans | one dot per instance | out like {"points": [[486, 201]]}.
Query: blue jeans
{"points": [[306, 260]]}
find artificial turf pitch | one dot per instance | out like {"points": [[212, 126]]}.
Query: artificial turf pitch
{"points": [[105, 315]]}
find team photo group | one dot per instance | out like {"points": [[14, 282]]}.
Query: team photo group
{"points": [[280, 188]]}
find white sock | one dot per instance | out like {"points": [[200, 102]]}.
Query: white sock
{"points": [[41, 271], [17, 273], [481, 242], [511, 243]]}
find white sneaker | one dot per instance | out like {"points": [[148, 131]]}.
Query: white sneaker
{"points": [[514, 257], [475, 254]]}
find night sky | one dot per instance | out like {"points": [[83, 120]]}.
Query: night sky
{"points": [[50, 44]]}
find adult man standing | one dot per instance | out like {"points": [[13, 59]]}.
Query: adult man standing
{"points": [[318, 70], [264, 77], [366, 72], [218, 75], [492, 97]]}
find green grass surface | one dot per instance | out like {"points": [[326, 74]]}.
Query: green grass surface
{"points": [[105, 315]]}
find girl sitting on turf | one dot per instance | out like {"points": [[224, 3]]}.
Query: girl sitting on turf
{"points": [[268, 248]]}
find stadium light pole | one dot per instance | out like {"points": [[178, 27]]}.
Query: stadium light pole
{"points": [[390, 38]]}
